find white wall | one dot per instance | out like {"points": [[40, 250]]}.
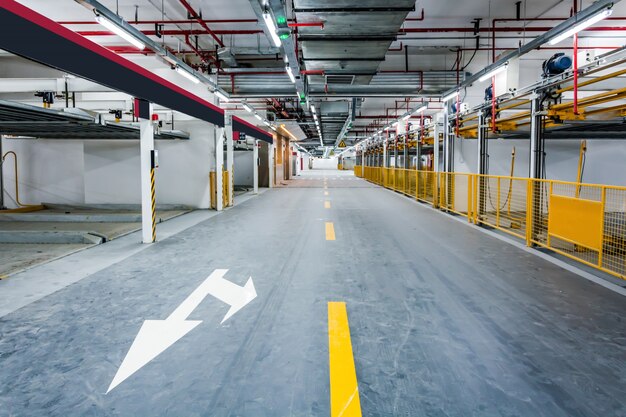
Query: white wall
{"points": [[107, 172], [48, 171], [330, 163], [244, 164]]}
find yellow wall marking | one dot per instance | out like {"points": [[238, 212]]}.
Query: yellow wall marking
{"points": [[327, 204], [344, 390], [330, 231]]}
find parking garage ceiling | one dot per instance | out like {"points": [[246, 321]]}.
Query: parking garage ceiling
{"points": [[389, 55]]}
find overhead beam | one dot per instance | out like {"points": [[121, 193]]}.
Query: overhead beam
{"points": [[35, 37]]}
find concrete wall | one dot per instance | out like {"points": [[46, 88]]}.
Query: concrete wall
{"points": [[330, 163], [244, 165], [107, 172]]}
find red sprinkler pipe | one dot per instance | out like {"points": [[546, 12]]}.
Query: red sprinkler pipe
{"points": [[162, 22], [174, 32], [306, 25], [575, 63], [197, 17]]}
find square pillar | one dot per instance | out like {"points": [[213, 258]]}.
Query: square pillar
{"points": [[143, 111]]}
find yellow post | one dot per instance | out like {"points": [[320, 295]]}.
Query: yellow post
{"points": [[581, 159], [498, 205], [511, 182], [529, 212]]}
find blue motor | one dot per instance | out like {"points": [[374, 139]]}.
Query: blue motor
{"points": [[489, 93], [558, 64]]}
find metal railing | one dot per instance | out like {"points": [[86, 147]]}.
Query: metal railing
{"points": [[584, 222]]}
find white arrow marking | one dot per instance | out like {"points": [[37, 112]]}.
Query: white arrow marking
{"points": [[155, 336]]}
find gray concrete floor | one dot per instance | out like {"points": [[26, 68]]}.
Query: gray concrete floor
{"points": [[445, 320], [107, 223]]}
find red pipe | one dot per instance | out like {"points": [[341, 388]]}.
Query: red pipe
{"points": [[575, 63], [195, 15], [163, 22], [174, 32], [312, 72], [306, 24], [506, 29]]}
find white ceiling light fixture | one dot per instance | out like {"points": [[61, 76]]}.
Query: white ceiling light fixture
{"points": [[187, 75], [290, 73], [581, 26], [271, 26], [493, 72], [258, 117], [421, 109], [120, 32], [247, 107], [407, 117], [451, 96], [221, 96]]}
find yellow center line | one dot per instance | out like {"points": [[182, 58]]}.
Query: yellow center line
{"points": [[330, 231], [327, 204], [344, 389]]}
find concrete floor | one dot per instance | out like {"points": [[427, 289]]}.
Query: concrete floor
{"points": [[29, 239], [445, 320]]}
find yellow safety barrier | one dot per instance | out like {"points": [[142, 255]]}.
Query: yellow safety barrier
{"points": [[358, 171], [584, 222]]}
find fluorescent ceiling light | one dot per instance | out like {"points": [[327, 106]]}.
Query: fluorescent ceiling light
{"points": [[581, 26], [271, 26], [221, 95], [421, 108], [493, 72], [257, 116], [120, 32], [290, 73], [187, 75], [247, 107], [313, 108], [451, 96], [407, 117]]}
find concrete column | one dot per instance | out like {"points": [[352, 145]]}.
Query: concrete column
{"points": [[230, 163], [146, 149], [219, 166], [255, 168], [271, 163]]}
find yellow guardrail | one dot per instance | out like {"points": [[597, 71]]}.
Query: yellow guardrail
{"points": [[358, 171], [584, 222]]}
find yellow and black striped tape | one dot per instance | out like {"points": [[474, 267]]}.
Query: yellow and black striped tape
{"points": [[153, 196]]}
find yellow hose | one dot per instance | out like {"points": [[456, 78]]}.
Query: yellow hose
{"points": [[17, 188]]}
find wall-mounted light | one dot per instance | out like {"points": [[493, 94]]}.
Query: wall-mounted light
{"points": [[451, 96], [120, 32], [493, 72], [187, 75], [581, 26], [290, 73], [271, 27], [221, 95]]}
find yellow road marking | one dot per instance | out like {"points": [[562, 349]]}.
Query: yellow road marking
{"points": [[327, 204], [344, 389], [330, 231]]}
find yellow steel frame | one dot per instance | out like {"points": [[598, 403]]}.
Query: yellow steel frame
{"points": [[584, 222]]}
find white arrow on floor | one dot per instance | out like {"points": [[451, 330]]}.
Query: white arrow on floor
{"points": [[155, 336]]}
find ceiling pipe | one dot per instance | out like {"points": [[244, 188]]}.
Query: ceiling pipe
{"points": [[174, 32], [198, 19], [164, 22], [163, 51], [536, 43]]}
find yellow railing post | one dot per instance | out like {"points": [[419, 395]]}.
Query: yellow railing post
{"points": [[601, 251], [529, 211], [498, 204]]}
